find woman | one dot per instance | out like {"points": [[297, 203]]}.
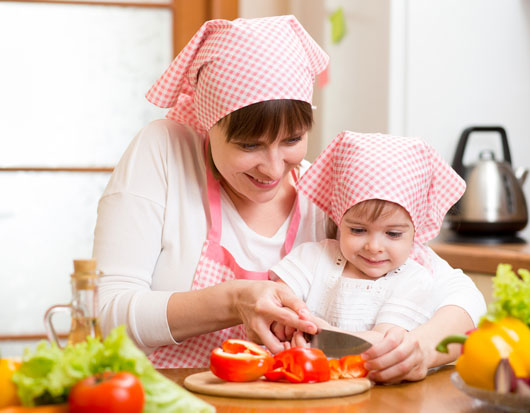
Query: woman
{"points": [[202, 204]]}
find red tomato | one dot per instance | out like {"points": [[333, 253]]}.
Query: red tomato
{"points": [[300, 365], [240, 360], [107, 393], [348, 367]]}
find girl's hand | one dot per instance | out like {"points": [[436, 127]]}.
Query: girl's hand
{"points": [[403, 355], [291, 337], [260, 303], [298, 340], [397, 357], [283, 333], [294, 339]]}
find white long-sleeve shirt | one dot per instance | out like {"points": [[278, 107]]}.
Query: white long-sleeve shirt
{"points": [[404, 297], [151, 226], [152, 223]]}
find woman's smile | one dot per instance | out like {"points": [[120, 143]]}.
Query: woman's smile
{"points": [[263, 183], [255, 170]]}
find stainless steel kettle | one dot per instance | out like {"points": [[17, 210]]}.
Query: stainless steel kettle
{"points": [[493, 203]]}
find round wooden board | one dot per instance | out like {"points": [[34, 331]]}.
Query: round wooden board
{"points": [[207, 383]]}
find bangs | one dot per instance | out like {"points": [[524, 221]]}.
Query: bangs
{"points": [[373, 209], [268, 119]]}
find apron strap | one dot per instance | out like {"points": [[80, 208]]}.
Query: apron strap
{"points": [[295, 222], [214, 198]]}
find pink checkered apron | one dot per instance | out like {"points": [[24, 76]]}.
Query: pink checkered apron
{"points": [[216, 265]]}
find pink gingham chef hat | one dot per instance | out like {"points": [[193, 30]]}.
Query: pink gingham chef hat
{"points": [[228, 65], [356, 167]]}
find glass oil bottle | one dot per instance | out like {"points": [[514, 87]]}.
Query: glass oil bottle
{"points": [[83, 307]]}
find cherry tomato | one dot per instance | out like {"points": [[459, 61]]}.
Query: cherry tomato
{"points": [[348, 367], [300, 365], [240, 360], [107, 393]]}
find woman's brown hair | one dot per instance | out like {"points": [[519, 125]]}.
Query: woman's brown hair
{"points": [[268, 119]]}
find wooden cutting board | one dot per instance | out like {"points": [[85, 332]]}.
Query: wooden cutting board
{"points": [[207, 383]]}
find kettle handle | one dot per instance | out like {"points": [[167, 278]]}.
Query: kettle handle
{"points": [[458, 165]]}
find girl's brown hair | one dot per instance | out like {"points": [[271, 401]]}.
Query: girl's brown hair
{"points": [[372, 209], [268, 119]]}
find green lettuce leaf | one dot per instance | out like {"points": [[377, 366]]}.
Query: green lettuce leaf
{"points": [[48, 373], [511, 292]]}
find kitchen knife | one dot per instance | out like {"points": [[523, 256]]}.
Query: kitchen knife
{"points": [[336, 344]]}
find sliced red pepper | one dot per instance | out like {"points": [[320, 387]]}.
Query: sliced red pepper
{"points": [[240, 360], [300, 365], [348, 367]]}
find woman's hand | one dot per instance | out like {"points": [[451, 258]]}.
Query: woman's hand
{"points": [[399, 356], [261, 303]]}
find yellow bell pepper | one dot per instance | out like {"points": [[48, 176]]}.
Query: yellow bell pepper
{"points": [[484, 348], [8, 390]]}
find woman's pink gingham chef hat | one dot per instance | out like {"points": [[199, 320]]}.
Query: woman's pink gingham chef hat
{"points": [[356, 167], [228, 65]]}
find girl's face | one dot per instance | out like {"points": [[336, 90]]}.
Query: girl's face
{"points": [[255, 170], [372, 249]]}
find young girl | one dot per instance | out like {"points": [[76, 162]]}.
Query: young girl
{"points": [[388, 196]]}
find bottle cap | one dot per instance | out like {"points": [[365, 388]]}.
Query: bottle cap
{"points": [[85, 266]]}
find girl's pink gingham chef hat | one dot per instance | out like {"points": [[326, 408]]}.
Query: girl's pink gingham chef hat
{"points": [[228, 65], [356, 167]]}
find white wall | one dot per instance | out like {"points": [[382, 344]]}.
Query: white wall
{"points": [[456, 64], [427, 68], [356, 97]]}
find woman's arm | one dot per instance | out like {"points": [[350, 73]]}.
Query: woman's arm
{"points": [[256, 304], [148, 240]]}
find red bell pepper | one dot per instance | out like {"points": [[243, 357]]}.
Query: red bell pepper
{"points": [[348, 367], [300, 365], [240, 360]]}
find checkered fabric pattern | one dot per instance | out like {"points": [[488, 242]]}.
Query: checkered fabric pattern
{"points": [[228, 65], [356, 167], [195, 351]]}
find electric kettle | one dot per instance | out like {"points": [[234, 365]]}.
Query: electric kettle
{"points": [[493, 204]]}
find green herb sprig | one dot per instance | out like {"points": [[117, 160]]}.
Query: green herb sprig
{"points": [[511, 292]]}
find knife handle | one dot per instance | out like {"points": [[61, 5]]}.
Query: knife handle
{"points": [[308, 337]]}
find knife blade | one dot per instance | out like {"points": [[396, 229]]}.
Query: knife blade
{"points": [[337, 344]]}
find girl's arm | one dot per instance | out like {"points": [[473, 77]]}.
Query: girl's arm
{"points": [[408, 356], [405, 355]]}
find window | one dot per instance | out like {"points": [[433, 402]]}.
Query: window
{"points": [[73, 76]]}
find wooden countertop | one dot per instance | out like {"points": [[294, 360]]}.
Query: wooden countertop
{"points": [[481, 258], [434, 394]]}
